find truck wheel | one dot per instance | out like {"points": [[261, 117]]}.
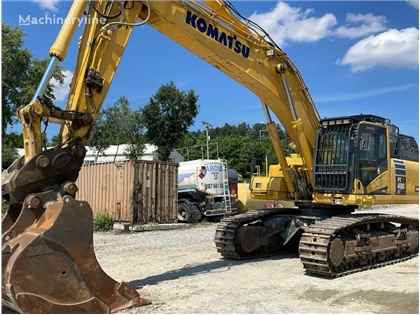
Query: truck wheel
{"points": [[195, 214], [184, 211], [216, 218]]}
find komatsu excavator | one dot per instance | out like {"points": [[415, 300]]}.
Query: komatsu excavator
{"points": [[48, 259]]}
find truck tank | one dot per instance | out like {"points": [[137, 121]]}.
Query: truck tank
{"points": [[201, 189]]}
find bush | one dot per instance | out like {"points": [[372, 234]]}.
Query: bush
{"points": [[103, 222], [4, 207], [8, 156]]}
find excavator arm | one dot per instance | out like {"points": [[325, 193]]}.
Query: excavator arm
{"points": [[242, 50], [49, 264], [47, 234]]}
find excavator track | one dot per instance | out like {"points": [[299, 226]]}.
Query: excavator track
{"points": [[226, 230], [328, 247], [331, 246]]}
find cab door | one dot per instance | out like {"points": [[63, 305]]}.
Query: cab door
{"points": [[372, 162]]}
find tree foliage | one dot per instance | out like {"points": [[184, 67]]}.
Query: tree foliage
{"points": [[167, 117], [136, 136], [118, 124], [54, 141], [21, 74], [9, 153], [247, 149], [15, 61]]}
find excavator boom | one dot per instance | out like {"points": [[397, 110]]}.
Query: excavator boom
{"points": [[49, 263], [48, 258]]}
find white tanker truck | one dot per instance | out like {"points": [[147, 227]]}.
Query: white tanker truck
{"points": [[206, 188]]}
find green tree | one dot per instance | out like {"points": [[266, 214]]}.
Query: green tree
{"points": [[136, 136], [15, 62], [119, 124], [21, 74], [237, 150], [193, 145], [244, 147], [167, 117], [8, 156], [55, 140], [9, 153], [98, 137]]}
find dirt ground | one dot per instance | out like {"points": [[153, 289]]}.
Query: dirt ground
{"points": [[181, 272], [194, 279]]}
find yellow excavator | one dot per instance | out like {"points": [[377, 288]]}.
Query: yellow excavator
{"points": [[48, 259]]}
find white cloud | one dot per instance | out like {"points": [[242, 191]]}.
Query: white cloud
{"points": [[285, 23], [50, 5], [414, 3], [369, 24], [61, 91], [393, 49]]}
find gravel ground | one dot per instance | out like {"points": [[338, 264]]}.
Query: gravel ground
{"points": [[181, 272]]}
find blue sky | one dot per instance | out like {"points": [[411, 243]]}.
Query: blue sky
{"points": [[355, 57]]}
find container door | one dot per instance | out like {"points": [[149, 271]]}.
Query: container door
{"points": [[119, 191]]}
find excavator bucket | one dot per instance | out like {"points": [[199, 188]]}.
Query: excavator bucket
{"points": [[49, 264]]}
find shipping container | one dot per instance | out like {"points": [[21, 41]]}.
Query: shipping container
{"points": [[133, 191]]}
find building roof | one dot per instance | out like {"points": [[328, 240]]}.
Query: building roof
{"points": [[117, 153]]}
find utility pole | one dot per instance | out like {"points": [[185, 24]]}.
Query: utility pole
{"points": [[208, 127]]}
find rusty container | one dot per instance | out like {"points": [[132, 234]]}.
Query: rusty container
{"points": [[133, 191]]}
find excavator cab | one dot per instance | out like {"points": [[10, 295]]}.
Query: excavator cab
{"points": [[364, 155], [48, 259]]}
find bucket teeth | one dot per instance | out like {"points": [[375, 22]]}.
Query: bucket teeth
{"points": [[51, 267]]}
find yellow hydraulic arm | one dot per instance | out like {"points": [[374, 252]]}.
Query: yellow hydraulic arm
{"points": [[243, 51], [49, 264], [100, 50], [213, 32], [48, 260]]}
